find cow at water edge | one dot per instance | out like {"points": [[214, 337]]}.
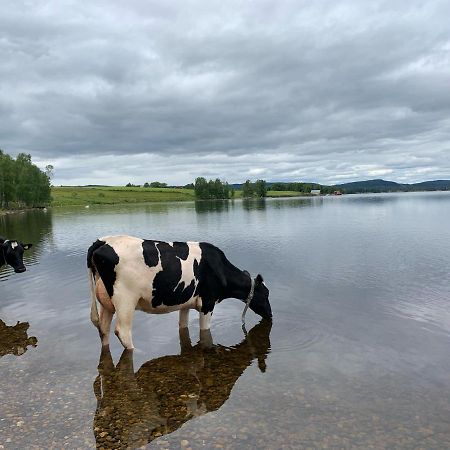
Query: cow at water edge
{"points": [[11, 253], [127, 273]]}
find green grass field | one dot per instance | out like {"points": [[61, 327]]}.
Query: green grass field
{"points": [[119, 195], [112, 195]]}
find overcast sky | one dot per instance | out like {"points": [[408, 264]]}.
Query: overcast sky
{"points": [[326, 91]]}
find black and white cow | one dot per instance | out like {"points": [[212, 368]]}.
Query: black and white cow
{"points": [[127, 273], [11, 253]]}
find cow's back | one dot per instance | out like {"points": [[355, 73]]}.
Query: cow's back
{"points": [[160, 273]]}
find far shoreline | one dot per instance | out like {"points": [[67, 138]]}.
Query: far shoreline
{"points": [[87, 203]]}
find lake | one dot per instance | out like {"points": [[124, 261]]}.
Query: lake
{"points": [[357, 356]]}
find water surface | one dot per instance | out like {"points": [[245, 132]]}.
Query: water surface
{"points": [[357, 355]]}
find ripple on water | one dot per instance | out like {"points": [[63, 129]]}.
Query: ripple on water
{"points": [[291, 333]]}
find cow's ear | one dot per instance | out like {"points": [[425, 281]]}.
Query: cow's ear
{"points": [[259, 279], [27, 246]]}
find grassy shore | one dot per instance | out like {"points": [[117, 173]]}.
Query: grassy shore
{"points": [[112, 195], [116, 195]]}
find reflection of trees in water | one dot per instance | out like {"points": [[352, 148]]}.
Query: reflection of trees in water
{"points": [[33, 226], [252, 204], [14, 340], [305, 202], [206, 206], [135, 408]]}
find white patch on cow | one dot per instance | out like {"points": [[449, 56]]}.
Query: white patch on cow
{"points": [[187, 266], [133, 276], [14, 244]]}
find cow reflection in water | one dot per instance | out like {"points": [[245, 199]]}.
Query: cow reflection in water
{"points": [[14, 340], [135, 408]]}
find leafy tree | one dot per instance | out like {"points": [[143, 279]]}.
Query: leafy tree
{"points": [[247, 189], [157, 184], [22, 183], [212, 189], [260, 188]]}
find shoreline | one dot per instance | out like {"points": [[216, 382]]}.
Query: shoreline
{"points": [[5, 212]]}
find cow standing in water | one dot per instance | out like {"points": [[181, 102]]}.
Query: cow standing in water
{"points": [[11, 253], [127, 273]]}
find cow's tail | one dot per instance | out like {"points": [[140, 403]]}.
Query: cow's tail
{"points": [[94, 311], [91, 275]]}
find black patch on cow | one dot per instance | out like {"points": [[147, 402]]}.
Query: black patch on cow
{"points": [[212, 281], [181, 250], [150, 252], [105, 260], [96, 245], [167, 288]]}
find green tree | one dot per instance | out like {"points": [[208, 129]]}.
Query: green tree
{"points": [[201, 188], [157, 184], [247, 189], [260, 188], [22, 183], [211, 189]]}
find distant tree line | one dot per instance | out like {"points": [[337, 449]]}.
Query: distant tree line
{"points": [[23, 184], [304, 188], [212, 189]]}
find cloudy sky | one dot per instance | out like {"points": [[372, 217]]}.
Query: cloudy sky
{"points": [[326, 91]]}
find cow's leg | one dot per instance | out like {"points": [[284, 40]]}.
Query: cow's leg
{"points": [[206, 340], [205, 320], [183, 321], [185, 340], [105, 318], [125, 305]]}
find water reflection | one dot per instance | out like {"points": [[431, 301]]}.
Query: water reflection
{"points": [[250, 204], [206, 206], [296, 202], [14, 340], [135, 408]]}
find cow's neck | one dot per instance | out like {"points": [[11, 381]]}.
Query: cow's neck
{"points": [[238, 283]]}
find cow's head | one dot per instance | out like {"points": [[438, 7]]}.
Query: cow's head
{"points": [[259, 304], [12, 254]]}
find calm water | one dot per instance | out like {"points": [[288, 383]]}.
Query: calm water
{"points": [[358, 355]]}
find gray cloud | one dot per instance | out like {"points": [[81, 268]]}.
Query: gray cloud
{"points": [[140, 91]]}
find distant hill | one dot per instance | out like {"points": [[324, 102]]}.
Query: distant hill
{"points": [[379, 185], [359, 187], [369, 186], [436, 185]]}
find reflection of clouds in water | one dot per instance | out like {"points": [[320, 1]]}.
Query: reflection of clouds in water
{"points": [[135, 408], [14, 340]]}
